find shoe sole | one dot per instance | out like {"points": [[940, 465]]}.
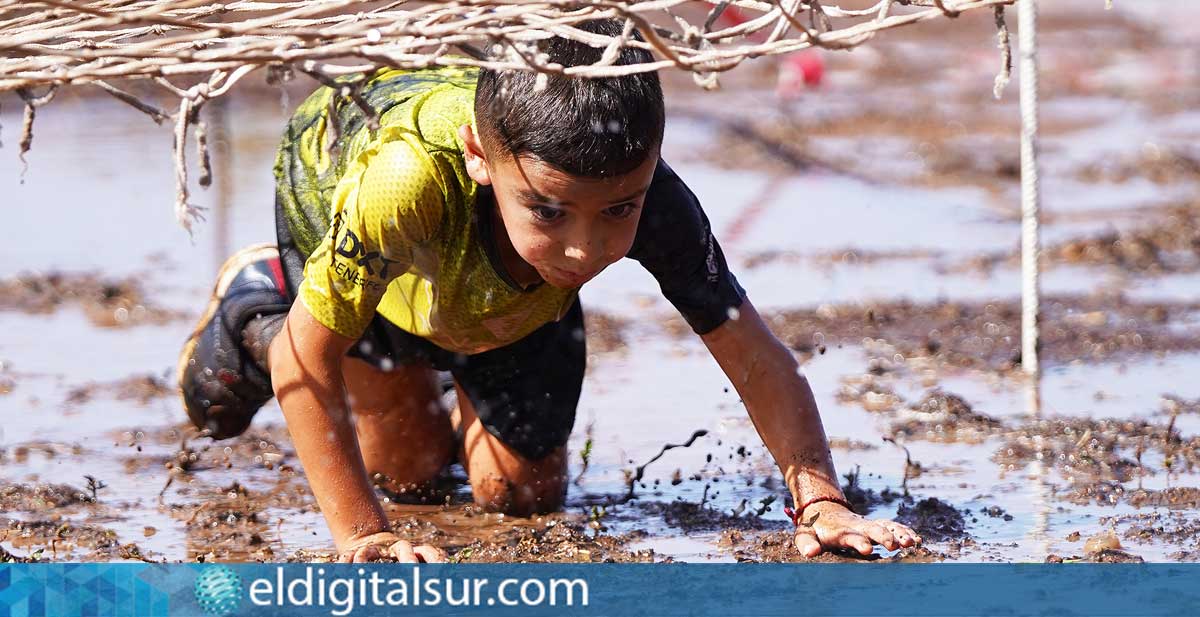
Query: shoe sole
{"points": [[228, 272]]}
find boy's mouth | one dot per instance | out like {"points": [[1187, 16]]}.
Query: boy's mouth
{"points": [[568, 278]]}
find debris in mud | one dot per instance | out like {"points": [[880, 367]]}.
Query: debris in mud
{"points": [[944, 417], [693, 517], [1176, 405], [986, 335], [1104, 547], [997, 512], [106, 302], [1161, 165], [139, 388], [778, 146], [560, 542], [231, 523], [1101, 493], [869, 392], [1094, 456], [1165, 528], [1172, 497], [845, 443], [1174, 528], [863, 500], [1104, 541], [7, 557], [856, 256], [1112, 556], [632, 478], [780, 547], [266, 446], [1167, 241], [605, 333], [21, 451], [934, 519], [557, 537], [1105, 556], [40, 497], [66, 540], [958, 164], [94, 485]]}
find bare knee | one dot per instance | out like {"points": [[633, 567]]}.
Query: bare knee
{"points": [[496, 493], [414, 475], [404, 434]]}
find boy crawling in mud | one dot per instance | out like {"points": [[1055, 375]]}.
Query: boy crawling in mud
{"points": [[454, 237]]}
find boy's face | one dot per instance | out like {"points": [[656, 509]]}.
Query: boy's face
{"points": [[565, 227]]}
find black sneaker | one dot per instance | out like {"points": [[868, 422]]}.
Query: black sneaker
{"points": [[220, 383]]}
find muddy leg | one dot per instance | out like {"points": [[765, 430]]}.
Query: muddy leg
{"points": [[501, 479], [403, 430]]}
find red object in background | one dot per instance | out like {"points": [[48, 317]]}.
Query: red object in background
{"points": [[809, 65], [797, 72]]}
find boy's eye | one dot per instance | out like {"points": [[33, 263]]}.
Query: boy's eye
{"points": [[545, 213], [621, 211]]}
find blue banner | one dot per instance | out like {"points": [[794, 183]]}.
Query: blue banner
{"points": [[599, 589]]}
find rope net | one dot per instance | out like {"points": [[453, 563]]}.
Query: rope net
{"points": [[192, 51]]}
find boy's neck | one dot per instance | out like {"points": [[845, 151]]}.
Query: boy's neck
{"points": [[519, 270]]}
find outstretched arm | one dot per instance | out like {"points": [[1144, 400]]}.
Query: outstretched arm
{"points": [[783, 410], [306, 372]]}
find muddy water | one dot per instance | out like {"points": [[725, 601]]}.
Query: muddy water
{"points": [[880, 247]]}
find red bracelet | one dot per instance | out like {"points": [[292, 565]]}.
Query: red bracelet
{"points": [[795, 514]]}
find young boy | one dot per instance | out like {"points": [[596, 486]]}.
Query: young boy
{"points": [[454, 236]]}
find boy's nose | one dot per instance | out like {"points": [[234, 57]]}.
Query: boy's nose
{"points": [[580, 252]]}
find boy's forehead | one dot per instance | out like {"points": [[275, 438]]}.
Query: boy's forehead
{"points": [[535, 179]]}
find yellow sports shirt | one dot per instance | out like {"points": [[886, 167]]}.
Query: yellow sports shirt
{"points": [[388, 218]]}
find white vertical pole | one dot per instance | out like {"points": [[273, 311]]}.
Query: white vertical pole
{"points": [[1030, 201]]}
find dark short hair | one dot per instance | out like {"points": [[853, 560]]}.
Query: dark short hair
{"points": [[590, 127]]}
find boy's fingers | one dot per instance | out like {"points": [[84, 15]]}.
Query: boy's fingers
{"points": [[366, 553], [403, 551], [430, 554], [856, 541], [807, 542], [912, 534], [903, 535], [880, 535]]}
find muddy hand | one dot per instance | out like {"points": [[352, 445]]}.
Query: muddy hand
{"points": [[387, 546], [836, 527]]}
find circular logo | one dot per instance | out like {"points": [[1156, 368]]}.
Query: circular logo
{"points": [[218, 590]]}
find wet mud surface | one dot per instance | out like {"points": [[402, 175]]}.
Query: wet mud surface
{"points": [[986, 335]]}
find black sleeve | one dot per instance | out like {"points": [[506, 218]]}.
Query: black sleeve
{"points": [[675, 244]]}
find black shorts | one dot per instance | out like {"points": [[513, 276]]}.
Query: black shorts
{"points": [[524, 393]]}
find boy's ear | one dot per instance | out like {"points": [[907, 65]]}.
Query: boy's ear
{"points": [[477, 166]]}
